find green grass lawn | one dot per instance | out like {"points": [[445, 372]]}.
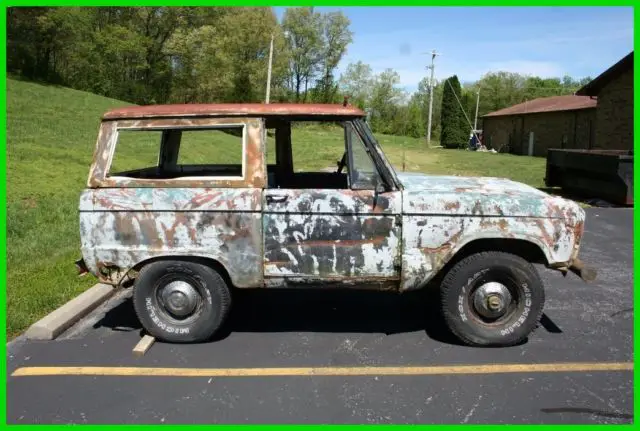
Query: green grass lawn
{"points": [[51, 133]]}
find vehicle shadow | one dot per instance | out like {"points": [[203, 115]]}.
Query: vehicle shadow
{"points": [[121, 318], [322, 310], [337, 310]]}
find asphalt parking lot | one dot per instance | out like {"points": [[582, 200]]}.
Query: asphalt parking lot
{"points": [[327, 345]]}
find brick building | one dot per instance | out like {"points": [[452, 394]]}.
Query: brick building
{"points": [[599, 115], [532, 127], [614, 114]]}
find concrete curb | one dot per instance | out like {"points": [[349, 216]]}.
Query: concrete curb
{"points": [[59, 320]]}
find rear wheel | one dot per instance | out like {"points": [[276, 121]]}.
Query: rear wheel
{"points": [[492, 299], [181, 301]]}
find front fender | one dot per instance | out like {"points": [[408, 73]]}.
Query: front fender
{"points": [[429, 242]]}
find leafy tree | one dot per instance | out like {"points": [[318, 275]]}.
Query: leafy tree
{"points": [[454, 126], [40, 39], [248, 49], [357, 82], [210, 62], [386, 96], [417, 112], [200, 69], [303, 29], [336, 37], [242, 91], [115, 66]]}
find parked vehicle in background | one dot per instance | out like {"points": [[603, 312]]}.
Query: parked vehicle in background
{"points": [[605, 174]]}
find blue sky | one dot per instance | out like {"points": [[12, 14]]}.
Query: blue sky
{"points": [[543, 41]]}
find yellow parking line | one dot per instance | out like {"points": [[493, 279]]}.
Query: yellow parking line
{"points": [[326, 371]]}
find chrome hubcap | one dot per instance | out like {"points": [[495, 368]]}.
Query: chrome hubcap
{"points": [[180, 298], [491, 300]]}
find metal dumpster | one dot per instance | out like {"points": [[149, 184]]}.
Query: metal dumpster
{"points": [[603, 174]]}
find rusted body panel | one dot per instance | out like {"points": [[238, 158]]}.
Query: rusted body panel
{"points": [[233, 109], [483, 197], [442, 214], [336, 234], [430, 241], [121, 228]]}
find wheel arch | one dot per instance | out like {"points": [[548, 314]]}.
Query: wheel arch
{"points": [[525, 248], [204, 260]]}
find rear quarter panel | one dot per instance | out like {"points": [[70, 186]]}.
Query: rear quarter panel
{"points": [[123, 227]]}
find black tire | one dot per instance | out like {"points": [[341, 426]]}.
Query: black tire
{"points": [[468, 320], [213, 301]]}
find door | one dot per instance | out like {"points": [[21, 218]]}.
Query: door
{"points": [[322, 229]]}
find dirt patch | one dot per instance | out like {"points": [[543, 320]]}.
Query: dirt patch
{"points": [[29, 203]]}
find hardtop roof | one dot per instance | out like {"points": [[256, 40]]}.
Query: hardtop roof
{"points": [[233, 109]]}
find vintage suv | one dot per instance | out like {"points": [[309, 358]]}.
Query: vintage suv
{"points": [[209, 213]]}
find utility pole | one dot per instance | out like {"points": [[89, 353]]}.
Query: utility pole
{"points": [[475, 122], [269, 70], [432, 67]]}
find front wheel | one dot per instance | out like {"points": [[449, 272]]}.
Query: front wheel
{"points": [[492, 299]]}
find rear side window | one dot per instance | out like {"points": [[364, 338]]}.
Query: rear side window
{"points": [[135, 150], [174, 153]]}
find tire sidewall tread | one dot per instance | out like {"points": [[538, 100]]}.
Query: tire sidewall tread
{"points": [[216, 304], [455, 301]]}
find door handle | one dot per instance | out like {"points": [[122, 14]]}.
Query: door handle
{"points": [[276, 199]]}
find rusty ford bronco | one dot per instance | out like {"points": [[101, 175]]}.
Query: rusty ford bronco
{"points": [[213, 212]]}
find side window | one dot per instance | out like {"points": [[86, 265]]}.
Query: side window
{"points": [[135, 151], [174, 153], [363, 171], [211, 152], [306, 154]]}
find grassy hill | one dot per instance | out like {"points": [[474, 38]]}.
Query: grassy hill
{"points": [[51, 132]]}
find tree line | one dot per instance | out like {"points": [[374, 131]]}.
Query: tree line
{"points": [[179, 54], [150, 55], [392, 110]]}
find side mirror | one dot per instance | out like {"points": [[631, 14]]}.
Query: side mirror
{"points": [[380, 187]]}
